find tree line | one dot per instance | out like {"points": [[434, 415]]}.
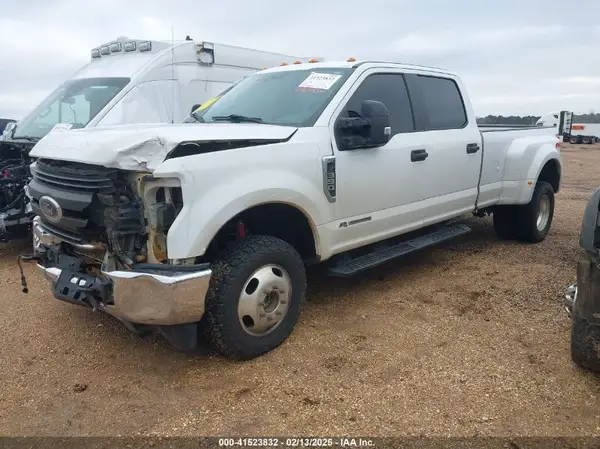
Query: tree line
{"points": [[591, 117]]}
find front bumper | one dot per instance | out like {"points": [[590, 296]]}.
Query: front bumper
{"points": [[166, 295], [141, 297]]}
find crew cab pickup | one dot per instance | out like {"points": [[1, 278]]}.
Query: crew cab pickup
{"points": [[206, 227]]}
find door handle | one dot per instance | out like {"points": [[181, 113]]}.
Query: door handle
{"points": [[418, 155], [472, 148]]}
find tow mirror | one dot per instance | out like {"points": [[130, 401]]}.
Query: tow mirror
{"points": [[10, 126], [368, 130], [196, 106]]}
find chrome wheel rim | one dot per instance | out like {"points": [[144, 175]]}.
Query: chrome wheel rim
{"points": [[544, 213], [264, 300]]}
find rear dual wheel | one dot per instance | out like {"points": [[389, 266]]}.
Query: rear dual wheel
{"points": [[254, 301], [530, 222]]}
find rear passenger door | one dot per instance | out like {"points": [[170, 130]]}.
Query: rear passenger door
{"points": [[453, 144]]}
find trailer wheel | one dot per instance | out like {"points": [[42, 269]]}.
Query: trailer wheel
{"points": [[585, 344], [535, 218], [255, 297], [585, 140], [573, 140], [505, 222]]}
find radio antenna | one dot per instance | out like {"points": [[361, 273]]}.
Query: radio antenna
{"points": [[173, 72]]}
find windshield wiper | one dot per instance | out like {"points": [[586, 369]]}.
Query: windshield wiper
{"points": [[197, 117], [30, 138], [236, 118]]}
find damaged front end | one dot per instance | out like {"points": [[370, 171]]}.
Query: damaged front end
{"points": [[99, 236], [15, 213]]}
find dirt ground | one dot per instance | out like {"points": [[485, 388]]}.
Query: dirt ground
{"points": [[466, 339]]}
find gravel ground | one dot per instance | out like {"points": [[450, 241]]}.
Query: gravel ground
{"points": [[465, 339]]}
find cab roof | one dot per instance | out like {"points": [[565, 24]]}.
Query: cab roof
{"points": [[355, 64]]}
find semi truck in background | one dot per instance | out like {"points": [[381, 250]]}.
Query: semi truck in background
{"points": [[575, 133], [127, 81]]}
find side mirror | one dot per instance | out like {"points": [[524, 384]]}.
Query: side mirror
{"points": [[368, 130], [10, 126], [196, 106]]}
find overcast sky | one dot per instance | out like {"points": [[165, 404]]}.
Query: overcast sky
{"points": [[512, 54]]}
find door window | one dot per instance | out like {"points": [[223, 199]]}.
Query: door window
{"points": [[437, 102], [390, 89]]}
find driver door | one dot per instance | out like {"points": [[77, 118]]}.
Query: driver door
{"points": [[377, 188]]}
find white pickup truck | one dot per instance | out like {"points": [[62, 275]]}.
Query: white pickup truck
{"points": [[204, 228]]}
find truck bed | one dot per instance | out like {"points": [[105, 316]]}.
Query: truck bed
{"points": [[498, 128]]}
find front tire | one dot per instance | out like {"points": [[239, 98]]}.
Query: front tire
{"points": [[254, 301]]}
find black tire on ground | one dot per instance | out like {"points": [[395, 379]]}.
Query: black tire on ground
{"points": [[231, 275], [585, 344], [585, 140], [529, 213], [505, 222], [573, 140]]}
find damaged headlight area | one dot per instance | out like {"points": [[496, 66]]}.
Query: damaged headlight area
{"points": [[100, 236], [163, 200]]}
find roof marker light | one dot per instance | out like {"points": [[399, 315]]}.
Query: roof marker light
{"points": [[312, 60], [115, 47], [351, 60], [145, 46], [105, 50], [129, 46], [95, 53], [297, 62], [283, 63]]}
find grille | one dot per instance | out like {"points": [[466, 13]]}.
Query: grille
{"points": [[73, 177], [75, 187]]}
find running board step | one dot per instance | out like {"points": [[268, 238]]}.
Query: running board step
{"points": [[346, 265]]}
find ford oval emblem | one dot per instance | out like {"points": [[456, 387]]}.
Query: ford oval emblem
{"points": [[50, 209]]}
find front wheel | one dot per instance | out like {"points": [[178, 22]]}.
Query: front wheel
{"points": [[255, 297]]}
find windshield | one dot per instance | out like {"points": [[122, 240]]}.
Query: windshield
{"points": [[290, 98], [74, 103]]}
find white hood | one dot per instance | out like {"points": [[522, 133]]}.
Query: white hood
{"points": [[143, 147]]}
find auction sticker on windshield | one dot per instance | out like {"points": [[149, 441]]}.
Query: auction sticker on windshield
{"points": [[318, 82], [59, 127]]}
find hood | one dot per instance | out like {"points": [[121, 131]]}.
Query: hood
{"points": [[144, 147]]}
